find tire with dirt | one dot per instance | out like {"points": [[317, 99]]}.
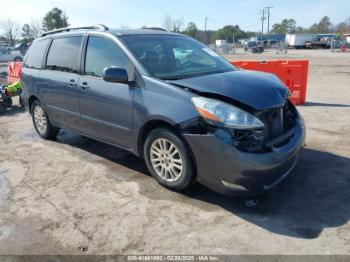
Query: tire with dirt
{"points": [[41, 121], [168, 159]]}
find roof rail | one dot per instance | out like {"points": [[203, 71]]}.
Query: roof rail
{"points": [[67, 29], [155, 28]]}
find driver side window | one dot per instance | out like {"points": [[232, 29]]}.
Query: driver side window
{"points": [[101, 53]]}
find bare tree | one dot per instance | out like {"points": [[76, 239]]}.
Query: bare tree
{"points": [[168, 23], [11, 30], [174, 25], [178, 25], [36, 28]]}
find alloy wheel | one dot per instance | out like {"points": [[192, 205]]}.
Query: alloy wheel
{"points": [[40, 119], [166, 160]]}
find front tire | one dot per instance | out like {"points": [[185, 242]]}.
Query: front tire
{"points": [[168, 159], [41, 122]]}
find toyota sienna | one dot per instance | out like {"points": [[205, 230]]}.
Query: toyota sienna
{"points": [[169, 99]]}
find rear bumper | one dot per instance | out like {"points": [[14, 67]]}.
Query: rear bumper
{"points": [[225, 169]]}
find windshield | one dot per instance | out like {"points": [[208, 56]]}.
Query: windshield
{"points": [[175, 57]]}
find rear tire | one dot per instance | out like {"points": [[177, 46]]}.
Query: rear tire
{"points": [[168, 159], [41, 121]]}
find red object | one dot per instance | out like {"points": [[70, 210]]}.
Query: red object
{"points": [[14, 71], [293, 73], [343, 48]]}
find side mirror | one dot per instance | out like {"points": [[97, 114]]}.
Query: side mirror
{"points": [[115, 74]]}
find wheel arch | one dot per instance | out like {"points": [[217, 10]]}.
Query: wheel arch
{"points": [[159, 123], [147, 128], [31, 99]]}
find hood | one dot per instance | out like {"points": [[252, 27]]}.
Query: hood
{"points": [[255, 89]]}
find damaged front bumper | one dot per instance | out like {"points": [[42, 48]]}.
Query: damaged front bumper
{"points": [[230, 171]]}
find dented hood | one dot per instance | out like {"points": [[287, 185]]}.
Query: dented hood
{"points": [[255, 89]]}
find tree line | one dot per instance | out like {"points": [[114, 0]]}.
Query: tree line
{"points": [[228, 32], [234, 32], [324, 26]]}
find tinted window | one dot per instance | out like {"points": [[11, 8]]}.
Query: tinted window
{"points": [[36, 54], [64, 54], [175, 57], [102, 53]]}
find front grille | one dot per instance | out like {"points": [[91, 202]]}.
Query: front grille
{"points": [[278, 129], [273, 121]]}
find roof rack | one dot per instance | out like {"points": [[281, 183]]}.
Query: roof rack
{"points": [[155, 28], [67, 29]]}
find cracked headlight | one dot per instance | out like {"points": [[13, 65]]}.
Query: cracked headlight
{"points": [[218, 112]]}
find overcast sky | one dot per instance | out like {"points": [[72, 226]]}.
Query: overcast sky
{"points": [[136, 13]]}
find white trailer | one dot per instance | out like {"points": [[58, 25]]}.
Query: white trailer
{"points": [[347, 38], [220, 42], [298, 40]]}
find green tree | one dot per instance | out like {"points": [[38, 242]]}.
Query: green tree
{"points": [[323, 26], [230, 31], [55, 19], [287, 26], [191, 30]]}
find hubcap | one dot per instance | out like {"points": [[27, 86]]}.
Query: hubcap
{"points": [[166, 160], [40, 119]]}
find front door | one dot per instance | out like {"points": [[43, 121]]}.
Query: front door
{"points": [[105, 108]]}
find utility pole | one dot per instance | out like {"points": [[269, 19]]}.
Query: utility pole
{"points": [[268, 8], [263, 18], [205, 29]]}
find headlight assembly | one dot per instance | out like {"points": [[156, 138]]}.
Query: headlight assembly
{"points": [[218, 112]]}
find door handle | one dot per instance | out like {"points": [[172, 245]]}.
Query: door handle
{"points": [[72, 83], [84, 86]]}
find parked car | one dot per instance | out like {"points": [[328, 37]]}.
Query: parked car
{"points": [[254, 47], [22, 47], [169, 99], [7, 56]]}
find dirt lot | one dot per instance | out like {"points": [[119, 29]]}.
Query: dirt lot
{"points": [[78, 196]]}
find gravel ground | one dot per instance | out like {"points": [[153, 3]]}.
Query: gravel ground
{"points": [[77, 196]]}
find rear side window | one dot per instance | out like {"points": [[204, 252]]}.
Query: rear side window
{"points": [[36, 54], [101, 53], [64, 54]]}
